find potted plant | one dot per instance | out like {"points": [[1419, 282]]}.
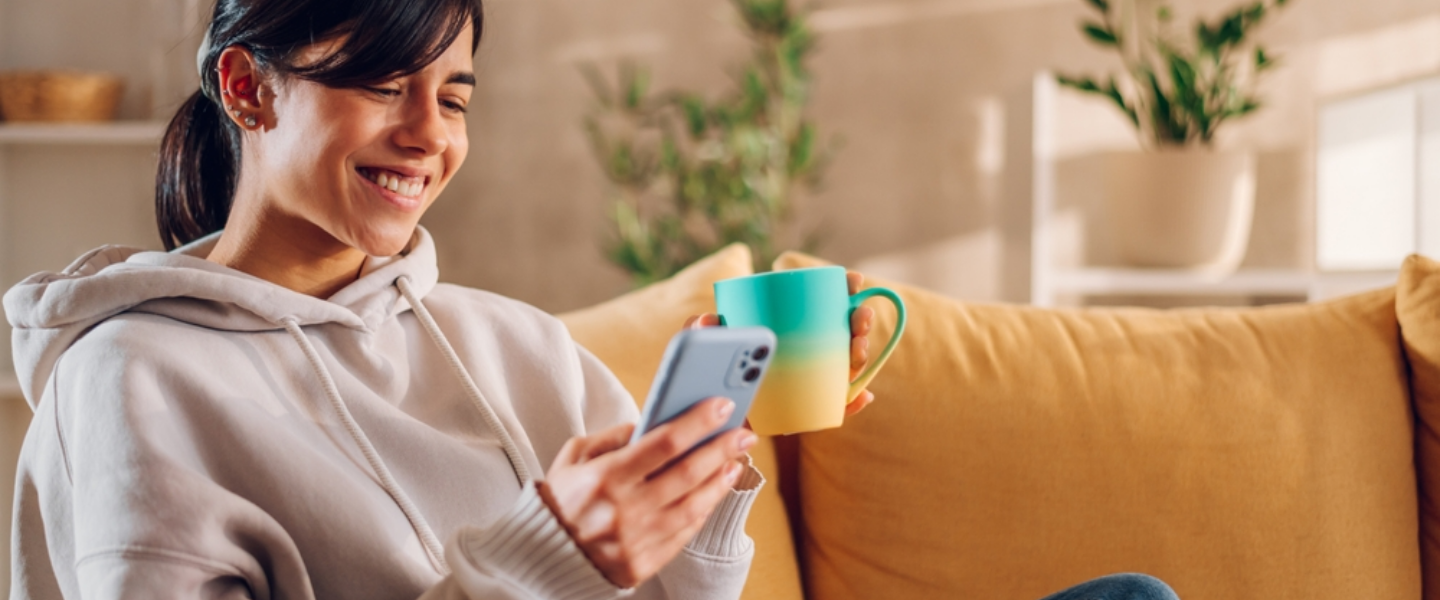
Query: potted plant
{"points": [[1181, 203], [690, 175]]}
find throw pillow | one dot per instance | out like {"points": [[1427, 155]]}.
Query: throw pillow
{"points": [[1011, 451], [1418, 305]]}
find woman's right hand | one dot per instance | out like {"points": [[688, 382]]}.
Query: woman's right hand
{"points": [[628, 511]]}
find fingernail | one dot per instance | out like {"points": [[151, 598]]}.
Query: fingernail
{"points": [[732, 473], [746, 441], [726, 407]]}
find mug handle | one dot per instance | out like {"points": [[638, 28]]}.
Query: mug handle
{"points": [[862, 381]]}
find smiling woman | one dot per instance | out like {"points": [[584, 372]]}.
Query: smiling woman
{"points": [[272, 408], [374, 95]]}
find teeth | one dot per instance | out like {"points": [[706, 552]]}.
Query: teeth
{"points": [[405, 186]]}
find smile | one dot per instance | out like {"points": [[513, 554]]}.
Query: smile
{"points": [[408, 187]]}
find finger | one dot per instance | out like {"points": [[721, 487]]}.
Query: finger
{"points": [[702, 321], [683, 477], [607, 441], [854, 280], [687, 515], [859, 355], [859, 404], [662, 444], [861, 320]]}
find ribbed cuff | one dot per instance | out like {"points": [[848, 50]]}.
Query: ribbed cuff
{"points": [[530, 548], [724, 533]]}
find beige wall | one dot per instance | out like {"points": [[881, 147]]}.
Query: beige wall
{"points": [[929, 97]]}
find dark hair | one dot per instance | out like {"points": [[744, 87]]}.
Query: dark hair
{"points": [[200, 154]]}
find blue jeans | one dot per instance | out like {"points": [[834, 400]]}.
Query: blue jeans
{"points": [[1125, 586]]}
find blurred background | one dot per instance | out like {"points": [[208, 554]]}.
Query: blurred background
{"points": [[957, 163], [932, 102]]}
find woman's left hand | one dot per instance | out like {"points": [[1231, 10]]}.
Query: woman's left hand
{"points": [[860, 322]]}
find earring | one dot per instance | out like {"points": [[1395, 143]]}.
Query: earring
{"points": [[250, 121]]}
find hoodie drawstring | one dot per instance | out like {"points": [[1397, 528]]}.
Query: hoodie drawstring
{"points": [[433, 548], [472, 391]]}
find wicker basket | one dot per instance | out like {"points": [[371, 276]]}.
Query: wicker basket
{"points": [[53, 96]]}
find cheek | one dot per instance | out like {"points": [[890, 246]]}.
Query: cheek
{"points": [[455, 154]]}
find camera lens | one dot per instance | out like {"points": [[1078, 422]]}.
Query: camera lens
{"points": [[760, 353], [752, 374]]}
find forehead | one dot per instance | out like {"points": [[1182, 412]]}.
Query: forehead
{"points": [[457, 56]]}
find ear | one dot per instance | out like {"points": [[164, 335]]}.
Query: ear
{"points": [[241, 88]]}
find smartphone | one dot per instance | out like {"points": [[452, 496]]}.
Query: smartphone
{"points": [[704, 363]]}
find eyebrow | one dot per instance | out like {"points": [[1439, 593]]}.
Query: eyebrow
{"points": [[463, 78]]}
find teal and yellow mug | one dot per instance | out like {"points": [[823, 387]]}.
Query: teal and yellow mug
{"points": [[808, 383]]}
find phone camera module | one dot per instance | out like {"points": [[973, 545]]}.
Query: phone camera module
{"points": [[760, 353], [752, 374]]}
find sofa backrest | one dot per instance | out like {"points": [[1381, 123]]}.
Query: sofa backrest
{"points": [[1237, 454]]}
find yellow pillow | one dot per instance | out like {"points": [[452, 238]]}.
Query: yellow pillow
{"points": [[1012, 451], [629, 335], [1418, 306]]}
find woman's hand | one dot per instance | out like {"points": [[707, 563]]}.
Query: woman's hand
{"points": [[627, 507], [860, 323]]}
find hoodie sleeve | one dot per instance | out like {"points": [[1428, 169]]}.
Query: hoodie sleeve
{"points": [[528, 554], [715, 564], [125, 492]]}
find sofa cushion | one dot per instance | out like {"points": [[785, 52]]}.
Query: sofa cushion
{"points": [[1417, 303], [1012, 451], [629, 335]]}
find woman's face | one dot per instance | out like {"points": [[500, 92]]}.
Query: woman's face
{"points": [[364, 164]]}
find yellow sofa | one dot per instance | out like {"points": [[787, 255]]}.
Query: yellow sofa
{"points": [[1262, 453]]}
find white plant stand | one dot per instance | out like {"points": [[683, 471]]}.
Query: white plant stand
{"points": [[1051, 284]]}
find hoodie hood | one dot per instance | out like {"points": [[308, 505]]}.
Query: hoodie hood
{"points": [[49, 311]]}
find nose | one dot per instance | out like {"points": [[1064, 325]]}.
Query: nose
{"points": [[423, 129]]}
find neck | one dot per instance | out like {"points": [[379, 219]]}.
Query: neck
{"points": [[286, 251]]}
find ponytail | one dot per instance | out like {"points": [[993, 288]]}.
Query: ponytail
{"points": [[199, 166]]}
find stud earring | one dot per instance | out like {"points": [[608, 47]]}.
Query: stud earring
{"points": [[250, 121]]}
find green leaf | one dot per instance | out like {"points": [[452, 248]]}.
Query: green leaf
{"points": [[1262, 60], [1113, 92], [1084, 84], [636, 86], [694, 109], [801, 150], [1100, 34]]}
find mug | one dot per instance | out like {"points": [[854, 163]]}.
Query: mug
{"points": [[808, 384]]}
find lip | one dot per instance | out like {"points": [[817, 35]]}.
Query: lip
{"points": [[403, 203], [402, 170]]}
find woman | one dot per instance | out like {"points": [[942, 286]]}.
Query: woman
{"points": [[288, 405]]}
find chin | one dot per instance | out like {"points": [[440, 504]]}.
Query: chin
{"points": [[389, 242]]}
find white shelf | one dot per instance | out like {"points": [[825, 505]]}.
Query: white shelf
{"points": [[1186, 283], [1245, 282], [119, 133]]}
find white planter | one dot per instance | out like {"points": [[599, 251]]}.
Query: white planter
{"points": [[1181, 209]]}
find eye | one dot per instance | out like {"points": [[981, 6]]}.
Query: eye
{"points": [[383, 91], [454, 106]]}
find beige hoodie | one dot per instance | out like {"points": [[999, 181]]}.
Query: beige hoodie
{"points": [[201, 433]]}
